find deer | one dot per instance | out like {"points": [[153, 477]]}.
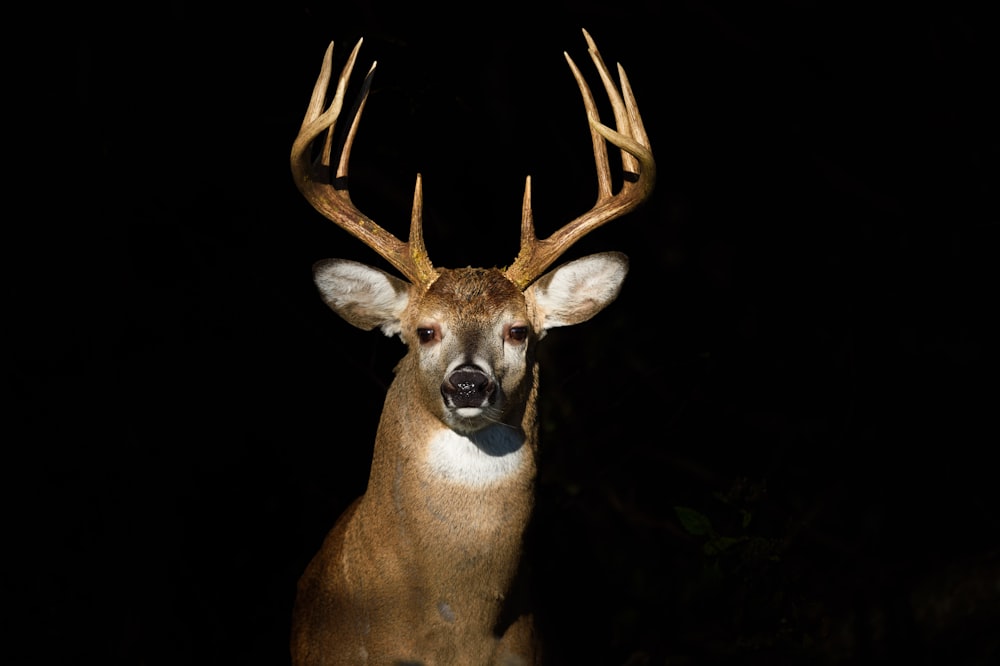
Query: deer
{"points": [[426, 567]]}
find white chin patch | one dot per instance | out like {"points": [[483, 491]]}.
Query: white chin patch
{"points": [[480, 459], [469, 412]]}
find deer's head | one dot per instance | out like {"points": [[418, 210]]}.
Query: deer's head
{"points": [[471, 331]]}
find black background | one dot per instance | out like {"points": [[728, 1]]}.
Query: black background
{"points": [[775, 447]]}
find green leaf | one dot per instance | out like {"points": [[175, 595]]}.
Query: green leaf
{"points": [[717, 545], [694, 522]]}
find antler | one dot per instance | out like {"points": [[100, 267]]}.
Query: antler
{"points": [[637, 161], [333, 199]]}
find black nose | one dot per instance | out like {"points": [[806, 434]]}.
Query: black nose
{"points": [[467, 386]]}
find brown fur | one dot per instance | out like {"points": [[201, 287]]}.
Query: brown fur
{"points": [[425, 568], [417, 571]]}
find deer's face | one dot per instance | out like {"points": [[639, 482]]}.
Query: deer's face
{"points": [[470, 333]]}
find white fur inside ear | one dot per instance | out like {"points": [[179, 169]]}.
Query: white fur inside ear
{"points": [[364, 296], [575, 292]]}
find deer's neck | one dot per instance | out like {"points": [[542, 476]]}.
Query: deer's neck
{"points": [[456, 505]]}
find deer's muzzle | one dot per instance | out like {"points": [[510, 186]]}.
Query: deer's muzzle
{"points": [[468, 386]]}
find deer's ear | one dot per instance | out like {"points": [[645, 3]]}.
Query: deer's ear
{"points": [[578, 290], [364, 296]]}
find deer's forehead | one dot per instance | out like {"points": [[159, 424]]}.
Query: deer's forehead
{"points": [[471, 292]]}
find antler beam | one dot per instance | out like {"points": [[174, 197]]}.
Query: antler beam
{"points": [[333, 199], [637, 161]]}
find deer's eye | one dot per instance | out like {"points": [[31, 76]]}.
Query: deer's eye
{"points": [[426, 334], [517, 333]]}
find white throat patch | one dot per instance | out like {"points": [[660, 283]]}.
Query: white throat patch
{"points": [[477, 460]]}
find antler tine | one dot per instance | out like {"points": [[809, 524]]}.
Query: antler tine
{"points": [[333, 199], [637, 162]]}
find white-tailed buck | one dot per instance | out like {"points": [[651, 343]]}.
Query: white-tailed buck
{"points": [[424, 567]]}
